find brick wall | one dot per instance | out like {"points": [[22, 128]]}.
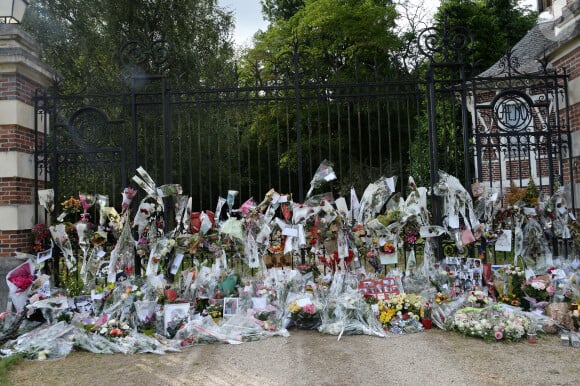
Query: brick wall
{"points": [[15, 241], [16, 191], [16, 86], [16, 138]]}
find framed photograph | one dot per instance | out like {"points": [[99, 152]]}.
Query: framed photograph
{"points": [[43, 256], [175, 313], [83, 304], [230, 307]]}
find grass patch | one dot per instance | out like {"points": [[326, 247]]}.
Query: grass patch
{"points": [[6, 364]]}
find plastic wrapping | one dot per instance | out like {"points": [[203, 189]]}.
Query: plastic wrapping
{"points": [[535, 252], [349, 314], [457, 205], [61, 239], [46, 199], [46, 342], [324, 173], [375, 197], [204, 330], [441, 312]]}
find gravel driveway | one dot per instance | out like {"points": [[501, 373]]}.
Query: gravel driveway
{"points": [[433, 357]]}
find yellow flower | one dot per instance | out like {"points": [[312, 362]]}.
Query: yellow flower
{"points": [[386, 316], [294, 308]]}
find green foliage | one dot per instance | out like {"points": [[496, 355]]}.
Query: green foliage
{"points": [[82, 39], [274, 10], [496, 25], [331, 37], [7, 363]]}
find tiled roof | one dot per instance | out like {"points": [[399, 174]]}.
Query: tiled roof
{"points": [[538, 42]]}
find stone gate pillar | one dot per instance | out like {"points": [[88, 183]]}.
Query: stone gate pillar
{"points": [[21, 75]]}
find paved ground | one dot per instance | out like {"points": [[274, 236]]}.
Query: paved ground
{"points": [[433, 357]]}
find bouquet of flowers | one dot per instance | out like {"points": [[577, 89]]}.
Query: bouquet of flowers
{"points": [[304, 314], [508, 283], [41, 235], [442, 280], [537, 294], [401, 306], [479, 298], [215, 311], [114, 329], [493, 323]]}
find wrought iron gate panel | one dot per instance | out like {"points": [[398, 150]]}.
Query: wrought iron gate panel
{"points": [[83, 149], [251, 139], [245, 139], [214, 140], [521, 130]]}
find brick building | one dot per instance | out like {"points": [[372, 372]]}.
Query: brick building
{"points": [[21, 75], [530, 123]]}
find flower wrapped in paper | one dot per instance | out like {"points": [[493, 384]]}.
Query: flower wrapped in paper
{"points": [[102, 200], [535, 252], [61, 239], [128, 194], [87, 201], [349, 314], [19, 280], [122, 256], [46, 342], [159, 252], [324, 173], [374, 198], [458, 206], [46, 199]]}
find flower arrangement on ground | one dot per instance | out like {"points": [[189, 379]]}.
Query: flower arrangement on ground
{"points": [[492, 323], [304, 314], [401, 306], [508, 284], [479, 298], [114, 329], [215, 311]]}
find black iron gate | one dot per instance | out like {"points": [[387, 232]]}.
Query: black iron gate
{"points": [[500, 129]]}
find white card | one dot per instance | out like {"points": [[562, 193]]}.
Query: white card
{"points": [[259, 303], [504, 241], [303, 302], [44, 290], [176, 263], [391, 183], [453, 221], [43, 256], [290, 231]]}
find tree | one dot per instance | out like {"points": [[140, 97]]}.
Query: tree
{"points": [[275, 10], [322, 42], [496, 25], [84, 39]]}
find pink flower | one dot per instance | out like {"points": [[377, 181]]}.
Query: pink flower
{"points": [[498, 335], [550, 289], [309, 309]]}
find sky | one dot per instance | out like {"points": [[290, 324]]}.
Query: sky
{"points": [[248, 17]]}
